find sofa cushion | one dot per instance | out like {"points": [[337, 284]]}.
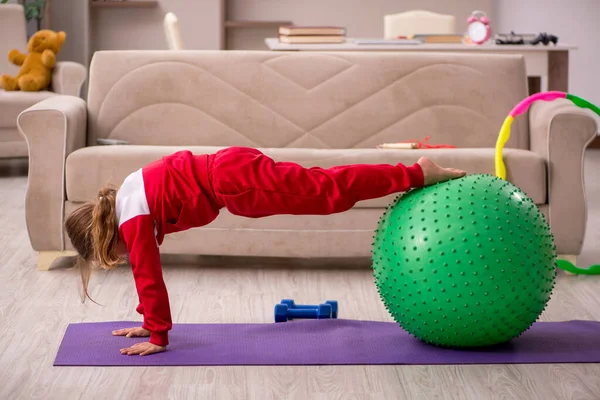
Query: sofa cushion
{"points": [[88, 169], [13, 103]]}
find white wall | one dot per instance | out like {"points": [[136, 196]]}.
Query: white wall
{"points": [[576, 22], [74, 23], [90, 29], [140, 28]]}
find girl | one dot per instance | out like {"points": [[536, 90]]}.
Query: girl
{"points": [[183, 191]]}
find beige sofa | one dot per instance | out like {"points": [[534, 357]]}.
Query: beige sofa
{"points": [[319, 109], [67, 79]]}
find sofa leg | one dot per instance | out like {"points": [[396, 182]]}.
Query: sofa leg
{"points": [[47, 258], [570, 258]]}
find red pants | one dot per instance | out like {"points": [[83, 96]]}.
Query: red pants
{"points": [[250, 184]]}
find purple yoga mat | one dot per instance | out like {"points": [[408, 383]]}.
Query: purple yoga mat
{"points": [[322, 342]]}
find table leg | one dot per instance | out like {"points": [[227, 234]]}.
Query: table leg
{"points": [[535, 84]]}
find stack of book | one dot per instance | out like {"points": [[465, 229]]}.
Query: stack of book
{"points": [[312, 34]]}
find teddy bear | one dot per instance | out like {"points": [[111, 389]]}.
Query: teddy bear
{"points": [[36, 67]]}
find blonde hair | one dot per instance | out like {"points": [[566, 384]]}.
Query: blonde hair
{"points": [[94, 232]]}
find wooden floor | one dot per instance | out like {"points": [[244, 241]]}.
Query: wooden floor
{"points": [[36, 307]]}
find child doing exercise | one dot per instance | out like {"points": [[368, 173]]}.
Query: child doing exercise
{"points": [[183, 191]]}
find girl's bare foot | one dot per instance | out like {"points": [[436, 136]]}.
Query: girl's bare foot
{"points": [[433, 173]]}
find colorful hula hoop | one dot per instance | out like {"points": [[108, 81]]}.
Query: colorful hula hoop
{"points": [[505, 135], [520, 109]]}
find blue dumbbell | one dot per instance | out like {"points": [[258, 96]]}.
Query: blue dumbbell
{"points": [[283, 313], [333, 303]]}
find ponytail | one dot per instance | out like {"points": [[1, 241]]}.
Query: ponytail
{"points": [[85, 271], [105, 232], [94, 232]]}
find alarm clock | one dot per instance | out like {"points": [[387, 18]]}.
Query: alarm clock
{"points": [[479, 30]]}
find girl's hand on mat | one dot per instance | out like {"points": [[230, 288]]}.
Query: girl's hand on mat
{"points": [[433, 173], [143, 349], [132, 332]]}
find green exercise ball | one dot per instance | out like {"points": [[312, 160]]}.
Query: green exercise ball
{"points": [[465, 263]]}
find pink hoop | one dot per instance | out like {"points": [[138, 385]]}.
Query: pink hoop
{"points": [[545, 96]]}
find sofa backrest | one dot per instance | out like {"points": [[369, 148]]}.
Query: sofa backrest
{"points": [[304, 99]]}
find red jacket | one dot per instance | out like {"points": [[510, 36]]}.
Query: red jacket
{"points": [[165, 196], [183, 191]]}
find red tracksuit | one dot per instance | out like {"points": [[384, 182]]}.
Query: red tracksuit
{"points": [[183, 191]]}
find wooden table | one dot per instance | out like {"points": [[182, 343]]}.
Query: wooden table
{"points": [[547, 67]]}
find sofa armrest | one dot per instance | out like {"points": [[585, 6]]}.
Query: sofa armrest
{"points": [[53, 128], [68, 78], [560, 132]]}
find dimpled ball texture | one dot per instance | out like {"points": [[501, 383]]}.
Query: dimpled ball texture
{"points": [[465, 263]]}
